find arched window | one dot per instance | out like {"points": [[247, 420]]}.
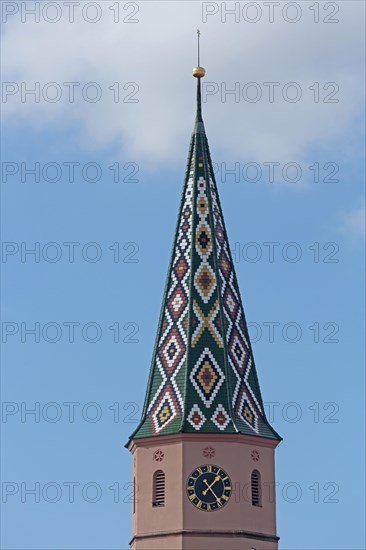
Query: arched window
{"points": [[256, 488], [158, 488]]}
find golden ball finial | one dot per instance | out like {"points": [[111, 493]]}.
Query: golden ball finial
{"points": [[198, 72]]}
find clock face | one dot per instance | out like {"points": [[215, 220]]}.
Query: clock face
{"points": [[209, 488]]}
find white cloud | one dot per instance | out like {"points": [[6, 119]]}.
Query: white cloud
{"points": [[158, 53], [354, 222]]}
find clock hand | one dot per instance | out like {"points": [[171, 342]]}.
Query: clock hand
{"points": [[205, 491], [209, 488], [215, 495]]}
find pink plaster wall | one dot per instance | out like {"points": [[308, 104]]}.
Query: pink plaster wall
{"points": [[179, 522]]}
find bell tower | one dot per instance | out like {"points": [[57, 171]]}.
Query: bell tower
{"points": [[203, 452]]}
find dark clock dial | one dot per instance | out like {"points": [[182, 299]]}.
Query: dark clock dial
{"points": [[209, 488]]}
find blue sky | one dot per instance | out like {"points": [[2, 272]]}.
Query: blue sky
{"points": [[110, 289]]}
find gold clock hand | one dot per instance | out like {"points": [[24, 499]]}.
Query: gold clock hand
{"points": [[205, 491], [209, 488], [215, 495]]}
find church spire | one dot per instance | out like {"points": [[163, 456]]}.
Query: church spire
{"points": [[203, 377]]}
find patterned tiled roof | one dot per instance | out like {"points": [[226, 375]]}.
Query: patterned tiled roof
{"points": [[203, 377]]}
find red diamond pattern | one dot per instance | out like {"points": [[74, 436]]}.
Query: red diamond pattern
{"points": [[171, 351]]}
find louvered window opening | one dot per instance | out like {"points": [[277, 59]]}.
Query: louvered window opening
{"points": [[256, 489], [134, 495], [159, 488]]}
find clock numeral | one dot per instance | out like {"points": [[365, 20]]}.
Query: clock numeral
{"points": [[209, 468], [208, 507]]}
